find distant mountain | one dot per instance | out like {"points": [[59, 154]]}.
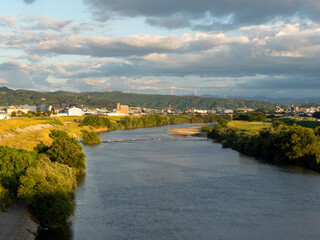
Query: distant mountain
{"points": [[286, 101], [109, 99]]}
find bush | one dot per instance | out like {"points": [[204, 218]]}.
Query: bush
{"points": [[4, 198], [96, 121], [223, 122], [13, 164], [48, 188], [52, 210], [90, 138], [251, 117], [66, 150]]}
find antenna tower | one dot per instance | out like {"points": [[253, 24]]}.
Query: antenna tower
{"points": [[195, 92], [172, 90]]}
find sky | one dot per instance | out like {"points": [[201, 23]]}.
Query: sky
{"points": [[220, 47]]}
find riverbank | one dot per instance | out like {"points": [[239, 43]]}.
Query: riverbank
{"points": [[186, 131], [279, 143], [16, 223]]}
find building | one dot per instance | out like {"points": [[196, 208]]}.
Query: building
{"points": [[58, 107], [4, 116], [122, 109], [74, 111], [32, 108], [17, 110]]}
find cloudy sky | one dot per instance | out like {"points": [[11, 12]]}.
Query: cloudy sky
{"points": [[219, 47]]}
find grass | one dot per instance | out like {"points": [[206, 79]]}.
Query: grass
{"points": [[15, 123], [306, 122], [244, 125], [28, 140]]}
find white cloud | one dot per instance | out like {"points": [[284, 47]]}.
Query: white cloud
{"points": [[7, 21]]}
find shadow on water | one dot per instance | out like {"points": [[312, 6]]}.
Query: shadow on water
{"points": [[81, 180], [62, 233]]}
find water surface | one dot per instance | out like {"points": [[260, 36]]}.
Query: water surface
{"points": [[189, 189]]}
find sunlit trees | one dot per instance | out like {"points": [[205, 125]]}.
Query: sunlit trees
{"points": [[67, 150], [48, 188], [89, 138]]}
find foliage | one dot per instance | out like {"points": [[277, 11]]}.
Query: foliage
{"points": [[4, 198], [316, 115], [267, 110], [13, 164], [223, 122], [48, 188], [308, 123], [89, 138], [96, 121], [66, 150], [251, 117], [279, 143], [106, 99]]}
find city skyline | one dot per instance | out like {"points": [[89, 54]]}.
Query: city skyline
{"points": [[217, 47]]}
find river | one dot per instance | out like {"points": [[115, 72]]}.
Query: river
{"points": [[189, 188]]}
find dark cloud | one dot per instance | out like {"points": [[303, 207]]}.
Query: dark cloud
{"points": [[19, 75], [212, 13], [170, 23], [29, 1]]}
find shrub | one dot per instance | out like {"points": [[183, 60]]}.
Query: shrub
{"points": [[251, 117], [48, 188], [4, 198], [96, 121], [13, 164], [66, 150], [90, 138]]}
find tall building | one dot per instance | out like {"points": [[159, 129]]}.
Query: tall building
{"points": [[122, 109]]}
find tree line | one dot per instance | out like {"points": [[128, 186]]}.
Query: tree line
{"points": [[280, 143], [45, 178]]}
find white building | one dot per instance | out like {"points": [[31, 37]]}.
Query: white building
{"points": [[74, 111]]}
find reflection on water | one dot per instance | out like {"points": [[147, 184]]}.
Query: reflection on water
{"points": [[189, 190], [63, 233]]}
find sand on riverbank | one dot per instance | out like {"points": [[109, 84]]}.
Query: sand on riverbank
{"points": [[184, 132]]}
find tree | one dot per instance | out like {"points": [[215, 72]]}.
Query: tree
{"points": [[48, 188], [223, 122], [316, 115], [67, 152], [13, 164], [89, 138]]}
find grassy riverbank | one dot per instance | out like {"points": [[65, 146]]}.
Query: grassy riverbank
{"points": [[276, 142], [39, 158]]}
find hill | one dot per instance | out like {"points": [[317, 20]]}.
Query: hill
{"points": [[109, 99]]}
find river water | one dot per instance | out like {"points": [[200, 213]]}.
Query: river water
{"points": [[189, 188]]}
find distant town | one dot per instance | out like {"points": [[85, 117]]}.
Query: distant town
{"points": [[61, 110]]}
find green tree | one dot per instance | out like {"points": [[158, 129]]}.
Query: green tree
{"points": [[48, 188], [13, 164], [316, 115], [90, 138], [67, 152]]}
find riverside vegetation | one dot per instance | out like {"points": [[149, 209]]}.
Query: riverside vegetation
{"points": [[46, 176], [278, 143]]}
